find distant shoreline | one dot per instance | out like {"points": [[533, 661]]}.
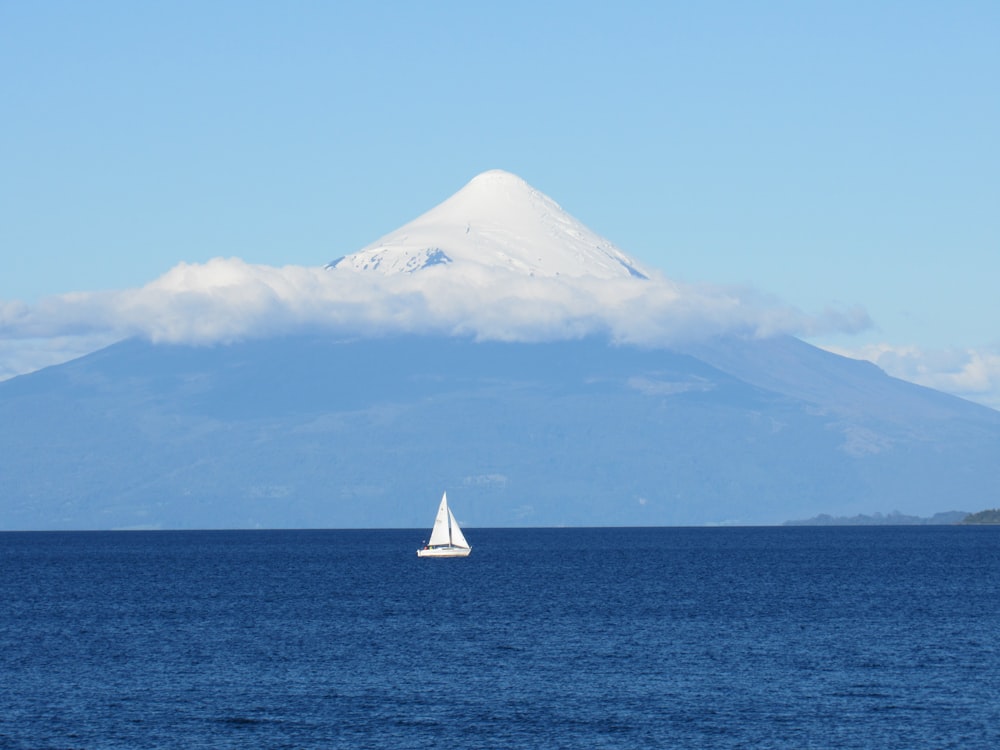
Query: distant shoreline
{"points": [[991, 516], [947, 518]]}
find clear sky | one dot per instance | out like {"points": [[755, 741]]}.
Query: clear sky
{"points": [[831, 154]]}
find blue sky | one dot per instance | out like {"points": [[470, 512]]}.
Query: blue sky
{"points": [[832, 155]]}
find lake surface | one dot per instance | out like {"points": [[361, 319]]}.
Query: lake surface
{"points": [[877, 637]]}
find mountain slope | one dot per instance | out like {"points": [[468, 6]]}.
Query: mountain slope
{"points": [[307, 431]]}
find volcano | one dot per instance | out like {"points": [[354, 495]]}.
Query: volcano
{"points": [[568, 418]]}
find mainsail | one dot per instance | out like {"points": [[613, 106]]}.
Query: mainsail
{"points": [[440, 533]]}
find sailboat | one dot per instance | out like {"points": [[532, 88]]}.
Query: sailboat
{"points": [[447, 539]]}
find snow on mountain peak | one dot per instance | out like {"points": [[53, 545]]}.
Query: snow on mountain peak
{"points": [[496, 221]]}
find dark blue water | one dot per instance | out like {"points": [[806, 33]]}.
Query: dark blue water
{"points": [[558, 638]]}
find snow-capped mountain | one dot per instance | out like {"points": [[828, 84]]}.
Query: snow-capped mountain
{"points": [[498, 221], [495, 345]]}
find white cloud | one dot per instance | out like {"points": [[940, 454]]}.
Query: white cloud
{"points": [[227, 299], [970, 373]]}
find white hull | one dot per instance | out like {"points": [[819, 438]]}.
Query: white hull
{"points": [[444, 552]]}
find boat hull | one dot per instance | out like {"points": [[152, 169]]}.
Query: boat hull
{"points": [[444, 552]]}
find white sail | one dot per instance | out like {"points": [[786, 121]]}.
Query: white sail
{"points": [[457, 537], [439, 534], [447, 539]]}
